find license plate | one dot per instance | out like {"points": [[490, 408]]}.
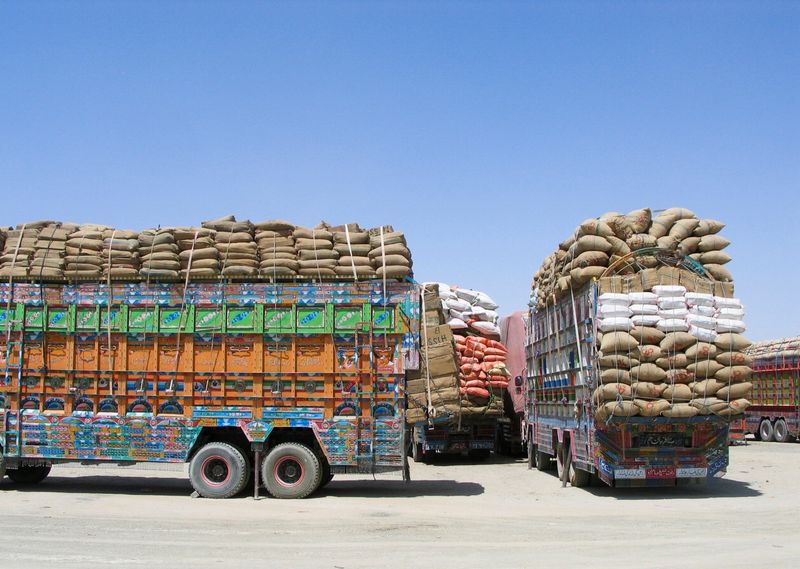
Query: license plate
{"points": [[629, 474], [692, 472], [661, 440]]}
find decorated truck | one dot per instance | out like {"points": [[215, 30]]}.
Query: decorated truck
{"points": [[635, 362], [286, 383], [775, 412]]}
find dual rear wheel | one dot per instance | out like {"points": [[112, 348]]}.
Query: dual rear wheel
{"points": [[777, 431], [290, 470]]}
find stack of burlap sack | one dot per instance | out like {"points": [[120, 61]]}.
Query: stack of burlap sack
{"points": [[225, 247], [158, 254], [671, 352], [276, 249], [238, 251], [603, 245], [197, 252]]}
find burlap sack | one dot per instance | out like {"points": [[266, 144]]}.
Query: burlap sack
{"points": [[358, 261], [394, 249], [677, 392], [712, 243], [708, 227], [707, 387], [198, 254], [276, 272], [594, 227], [240, 271], [648, 372], [393, 271], [651, 408], [357, 250], [323, 272], [649, 353], [680, 410], [708, 405], [647, 390], [201, 264], [267, 265], [647, 335], [356, 238], [277, 225], [325, 263], [683, 376], [223, 238], [677, 341], [736, 407], [734, 359], [615, 376], [683, 228], [312, 234], [730, 342], [733, 374], [615, 361], [704, 369], [701, 351], [312, 244], [582, 276], [735, 391], [361, 271], [306, 255], [287, 256], [610, 392], [616, 342]]}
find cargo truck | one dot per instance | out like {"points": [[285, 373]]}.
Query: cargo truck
{"points": [[289, 383], [775, 411], [562, 431]]}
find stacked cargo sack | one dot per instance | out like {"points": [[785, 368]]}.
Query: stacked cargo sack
{"points": [[468, 309], [353, 246], [50, 250], [389, 253], [606, 242], [197, 252], [316, 255], [84, 252], [238, 252], [158, 254], [276, 249], [18, 250], [665, 352], [120, 254]]}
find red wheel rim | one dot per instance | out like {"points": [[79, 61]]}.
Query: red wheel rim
{"points": [[289, 472], [215, 470]]}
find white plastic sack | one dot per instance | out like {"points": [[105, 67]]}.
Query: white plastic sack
{"points": [[467, 294], [456, 324], [681, 313], [485, 301], [707, 322], [645, 320], [699, 299], [703, 334], [721, 302], [669, 290], [614, 311], [703, 310], [726, 325], [615, 324], [486, 327], [613, 298], [670, 302], [643, 298], [672, 325], [457, 314], [457, 304], [731, 313], [643, 309]]}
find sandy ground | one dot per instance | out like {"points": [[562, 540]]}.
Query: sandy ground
{"points": [[455, 514]]}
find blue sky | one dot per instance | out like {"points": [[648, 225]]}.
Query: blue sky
{"points": [[484, 130]]}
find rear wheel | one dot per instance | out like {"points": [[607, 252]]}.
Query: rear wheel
{"points": [[417, 454], [543, 461], [531, 454], [29, 474], [327, 475], [781, 432], [577, 477], [2, 464], [765, 431], [291, 470], [218, 470]]}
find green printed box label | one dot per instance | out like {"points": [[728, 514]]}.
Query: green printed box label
{"points": [[347, 318], [383, 318], [141, 319], [86, 319], [58, 319], [34, 318], [279, 319], [311, 318], [241, 318], [209, 318]]}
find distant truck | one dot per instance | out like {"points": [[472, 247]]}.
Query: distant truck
{"points": [[562, 428], [775, 411]]}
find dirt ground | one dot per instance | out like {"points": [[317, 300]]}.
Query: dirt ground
{"points": [[494, 514]]}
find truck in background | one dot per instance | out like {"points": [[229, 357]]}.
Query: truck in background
{"points": [[457, 398], [511, 426], [775, 411]]}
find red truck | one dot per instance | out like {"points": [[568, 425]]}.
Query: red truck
{"points": [[775, 411]]}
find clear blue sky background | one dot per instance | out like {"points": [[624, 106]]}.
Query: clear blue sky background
{"points": [[486, 131]]}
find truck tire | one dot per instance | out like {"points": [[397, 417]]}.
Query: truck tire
{"points": [[29, 475], [291, 471], [543, 463], [2, 465], [531, 454], [577, 477], [417, 454], [327, 475], [781, 432], [765, 431], [218, 470]]}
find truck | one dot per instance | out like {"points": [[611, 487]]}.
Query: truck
{"points": [[775, 411], [442, 418], [562, 430], [283, 384]]}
